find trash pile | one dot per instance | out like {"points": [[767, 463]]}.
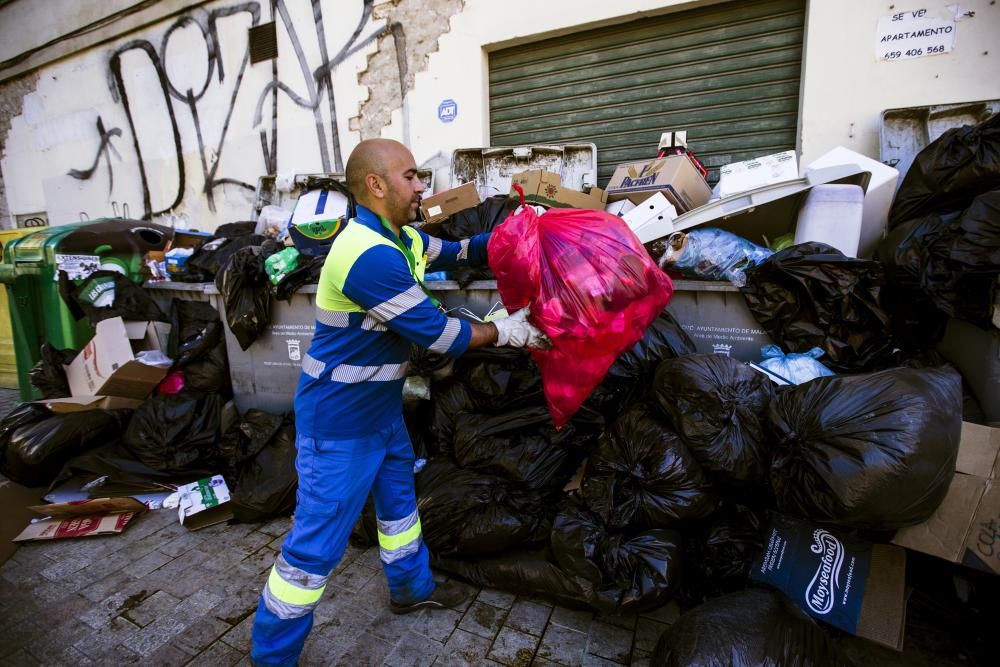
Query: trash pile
{"points": [[645, 457]]}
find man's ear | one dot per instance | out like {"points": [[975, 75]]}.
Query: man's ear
{"points": [[375, 186]]}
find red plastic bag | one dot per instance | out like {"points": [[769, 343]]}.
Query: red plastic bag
{"points": [[592, 288]]}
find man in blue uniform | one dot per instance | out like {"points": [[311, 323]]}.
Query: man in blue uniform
{"points": [[370, 305]]}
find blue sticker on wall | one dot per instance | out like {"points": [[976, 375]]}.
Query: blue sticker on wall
{"points": [[447, 111]]}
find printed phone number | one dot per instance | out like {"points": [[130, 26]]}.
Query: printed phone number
{"points": [[911, 53]]}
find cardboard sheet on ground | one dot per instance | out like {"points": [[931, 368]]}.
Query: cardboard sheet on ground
{"points": [[15, 500]]}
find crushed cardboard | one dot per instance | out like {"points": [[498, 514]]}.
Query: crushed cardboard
{"points": [[107, 366], [76, 526], [442, 205], [201, 504], [966, 526]]}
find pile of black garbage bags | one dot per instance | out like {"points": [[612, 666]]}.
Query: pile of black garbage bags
{"points": [[170, 438], [658, 488]]}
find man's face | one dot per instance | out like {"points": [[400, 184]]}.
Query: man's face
{"points": [[402, 187]]}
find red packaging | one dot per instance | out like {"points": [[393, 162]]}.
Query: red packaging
{"points": [[592, 288]]}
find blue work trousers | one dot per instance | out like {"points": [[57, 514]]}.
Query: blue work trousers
{"points": [[335, 478]]}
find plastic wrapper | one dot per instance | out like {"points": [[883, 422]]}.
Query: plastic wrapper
{"points": [[811, 295], [795, 368], [748, 628], [48, 376], [949, 172], [592, 288], [872, 451], [643, 476], [618, 572], [172, 384], [175, 433], [712, 254], [464, 512], [265, 482], [244, 288], [36, 451], [718, 406]]}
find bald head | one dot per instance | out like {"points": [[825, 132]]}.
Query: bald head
{"points": [[382, 176]]}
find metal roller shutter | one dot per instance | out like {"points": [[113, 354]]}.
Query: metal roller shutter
{"points": [[728, 74]]}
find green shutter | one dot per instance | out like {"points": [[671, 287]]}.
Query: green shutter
{"points": [[728, 74]]}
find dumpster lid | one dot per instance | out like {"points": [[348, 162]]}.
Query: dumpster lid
{"points": [[765, 213]]}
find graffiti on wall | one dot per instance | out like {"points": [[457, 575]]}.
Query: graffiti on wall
{"points": [[140, 59]]}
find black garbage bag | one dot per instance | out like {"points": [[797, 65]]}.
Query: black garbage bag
{"points": [[530, 572], [246, 294], [175, 433], [520, 446], [306, 273], [48, 376], [37, 451], [211, 255], [198, 347], [631, 375], [89, 297], [111, 470], [718, 405], [812, 295], [619, 572], [464, 512], [643, 476], [476, 220], [872, 451], [265, 484], [719, 554], [245, 438], [952, 170], [752, 627], [24, 414], [425, 362], [950, 259]]}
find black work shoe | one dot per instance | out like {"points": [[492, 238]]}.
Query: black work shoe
{"points": [[445, 596]]}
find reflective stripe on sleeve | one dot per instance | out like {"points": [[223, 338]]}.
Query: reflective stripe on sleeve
{"points": [[332, 318], [349, 374], [398, 304], [400, 538], [452, 328], [463, 251], [291, 592], [433, 248]]}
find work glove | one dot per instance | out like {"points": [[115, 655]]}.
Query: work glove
{"points": [[517, 331]]}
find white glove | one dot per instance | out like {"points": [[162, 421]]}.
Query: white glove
{"points": [[517, 331]]}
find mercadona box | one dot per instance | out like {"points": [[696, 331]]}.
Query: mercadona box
{"points": [[674, 175]]}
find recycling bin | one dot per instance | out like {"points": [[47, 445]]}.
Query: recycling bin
{"points": [[30, 272]]}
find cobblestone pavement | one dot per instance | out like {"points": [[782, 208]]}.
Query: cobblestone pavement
{"points": [[158, 594]]}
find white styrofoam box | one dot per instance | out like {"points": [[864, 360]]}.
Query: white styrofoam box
{"points": [[878, 195], [619, 208], [832, 214], [652, 219], [758, 172]]}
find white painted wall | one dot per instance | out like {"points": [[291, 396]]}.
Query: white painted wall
{"points": [[844, 90], [57, 133]]}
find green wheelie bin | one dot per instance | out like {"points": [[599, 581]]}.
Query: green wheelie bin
{"points": [[30, 272]]}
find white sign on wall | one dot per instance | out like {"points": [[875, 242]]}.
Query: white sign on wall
{"points": [[913, 34]]}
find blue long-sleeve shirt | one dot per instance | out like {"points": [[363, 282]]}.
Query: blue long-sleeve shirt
{"points": [[354, 370]]}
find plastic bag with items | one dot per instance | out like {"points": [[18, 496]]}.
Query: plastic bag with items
{"points": [[592, 287], [792, 367], [712, 254]]}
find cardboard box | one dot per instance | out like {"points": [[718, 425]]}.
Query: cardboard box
{"points": [[76, 526], [674, 175], [852, 584], [756, 173], [966, 526], [442, 205], [546, 189], [186, 238], [80, 403], [107, 366], [201, 504]]}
